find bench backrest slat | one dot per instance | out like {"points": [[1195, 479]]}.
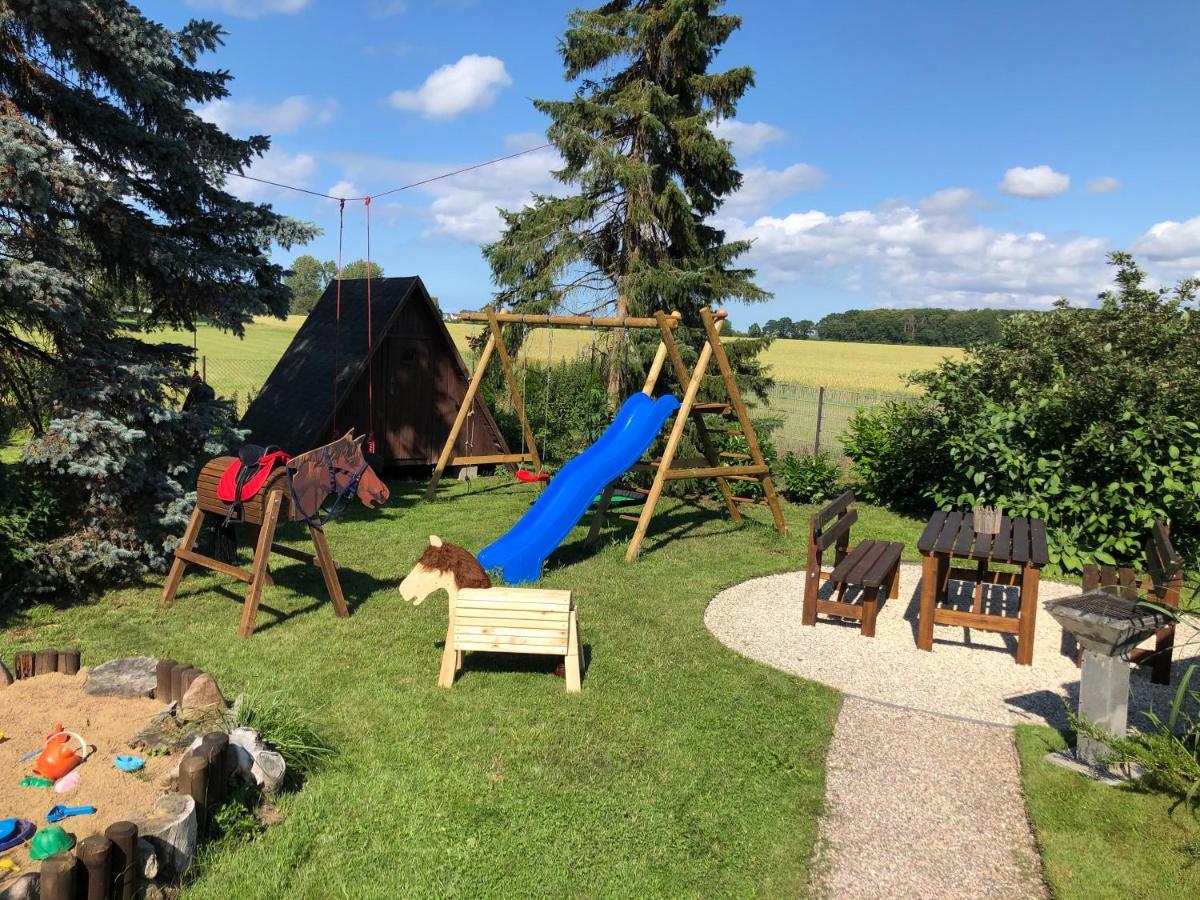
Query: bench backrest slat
{"points": [[842, 527], [833, 508]]}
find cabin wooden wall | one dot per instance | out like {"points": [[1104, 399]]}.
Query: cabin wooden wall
{"points": [[418, 389]]}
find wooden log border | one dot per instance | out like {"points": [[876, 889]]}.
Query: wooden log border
{"points": [[104, 866]]}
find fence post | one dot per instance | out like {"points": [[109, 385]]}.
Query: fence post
{"points": [[820, 414], [204, 369]]}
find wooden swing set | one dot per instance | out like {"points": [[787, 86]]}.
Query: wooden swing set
{"points": [[726, 467]]}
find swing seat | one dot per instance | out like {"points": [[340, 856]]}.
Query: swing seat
{"points": [[532, 477]]}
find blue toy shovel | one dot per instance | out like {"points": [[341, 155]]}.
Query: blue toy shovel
{"points": [[60, 812]]}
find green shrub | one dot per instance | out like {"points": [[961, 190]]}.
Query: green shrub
{"points": [[809, 478], [1086, 418]]}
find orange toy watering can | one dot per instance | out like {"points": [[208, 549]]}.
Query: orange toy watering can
{"points": [[58, 758]]}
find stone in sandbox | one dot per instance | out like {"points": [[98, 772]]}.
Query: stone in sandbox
{"points": [[133, 676]]}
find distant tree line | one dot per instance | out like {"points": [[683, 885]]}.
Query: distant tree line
{"points": [[308, 277], [931, 327], [783, 328]]}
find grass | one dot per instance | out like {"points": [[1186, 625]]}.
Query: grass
{"points": [[1098, 841], [682, 768]]}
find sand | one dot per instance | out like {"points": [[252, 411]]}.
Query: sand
{"points": [[29, 709]]}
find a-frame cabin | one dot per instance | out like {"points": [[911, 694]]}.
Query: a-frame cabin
{"points": [[419, 379]]}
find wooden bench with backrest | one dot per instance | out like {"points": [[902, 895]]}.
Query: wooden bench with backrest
{"points": [[1161, 584], [871, 566]]}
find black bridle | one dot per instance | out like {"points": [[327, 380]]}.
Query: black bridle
{"points": [[341, 495]]}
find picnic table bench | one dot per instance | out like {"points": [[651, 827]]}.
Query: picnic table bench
{"points": [[950, 536]]}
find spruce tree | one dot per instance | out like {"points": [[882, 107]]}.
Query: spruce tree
{"points": [[113, 201], [644, 170]]}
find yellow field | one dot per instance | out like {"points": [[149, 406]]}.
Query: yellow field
{"points": [[835, 364], [242, 365]]}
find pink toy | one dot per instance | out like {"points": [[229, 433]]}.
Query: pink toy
{"points": [[68, 782]]}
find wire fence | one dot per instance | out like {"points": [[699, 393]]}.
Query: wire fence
{"points": [[815, 418]]}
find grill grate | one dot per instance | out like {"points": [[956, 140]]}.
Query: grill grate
{"points": [[1110, 606]]}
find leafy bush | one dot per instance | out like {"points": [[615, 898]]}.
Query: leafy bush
{"points": [[809, 478], [1086, 418]]}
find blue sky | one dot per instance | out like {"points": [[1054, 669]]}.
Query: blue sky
{"points": [[900, 154]]}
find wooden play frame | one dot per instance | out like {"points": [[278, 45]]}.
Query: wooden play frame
{"points": [[745, 467]]}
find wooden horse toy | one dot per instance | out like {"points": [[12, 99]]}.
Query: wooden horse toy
{"points": [[294, 492], [494, 619]]}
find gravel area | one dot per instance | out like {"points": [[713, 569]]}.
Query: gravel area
{"points": [[970, 673], [923, 806]]}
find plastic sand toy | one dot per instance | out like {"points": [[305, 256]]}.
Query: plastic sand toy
{"points": [[129, 763], [50, 840], [58, 758], [35, 781], [22, 832], [60, 812], [68, 782]]}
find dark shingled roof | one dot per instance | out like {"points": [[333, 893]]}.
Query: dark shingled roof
{"points": [[294, 407]]}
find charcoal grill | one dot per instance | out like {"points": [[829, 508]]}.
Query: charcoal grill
{"points": [[1107, 627]]}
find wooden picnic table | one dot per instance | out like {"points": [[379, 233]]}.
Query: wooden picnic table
{"points": [[951, 536]]}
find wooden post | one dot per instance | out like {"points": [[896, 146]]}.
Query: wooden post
{"points": [[123, 859], [68, 662], [929, 591], [328, 567], [660, 477], [215, 748], [820, 415], [514, 389], [262, 556], [177, 673], [193, 781], [1028, 614], [58, 877], [162, 672], [712, 328], [463, 411], [93, 853], [190, 535], [24, 662], [45, 662], [573, 663]]}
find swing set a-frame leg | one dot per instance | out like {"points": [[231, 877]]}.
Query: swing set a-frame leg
{"points": [[464, 410]]}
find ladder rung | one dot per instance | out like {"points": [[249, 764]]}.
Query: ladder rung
{"points": [[744, 477], [750, 500], [714, 408], [729, 454], [628, 518], [733, 431]]}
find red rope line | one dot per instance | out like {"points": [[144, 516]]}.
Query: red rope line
{"points": [[370, 342], [337, 329], [403, 187]]}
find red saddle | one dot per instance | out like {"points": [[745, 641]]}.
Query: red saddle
{"points": [[263, 466]]}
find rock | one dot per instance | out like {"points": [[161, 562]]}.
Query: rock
{"points": [[268, 771], [6, 677], [201, 699], [254, 762], [27, 887], [164, 730], [133, 676], [170, 829], [147, 859], [153, 892]]}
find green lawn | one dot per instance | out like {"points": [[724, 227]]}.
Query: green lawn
{"points": [[1099, 841], [681, 769]]}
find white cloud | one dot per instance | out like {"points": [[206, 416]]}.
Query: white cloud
{"points": [[523, 140], [1103, 185], [1036, 183], [748, 137], [763, 187], [286, 116], [1175, 246], [470, 84], [296, 169], [251, 9], [929, 253], [344, 188]]}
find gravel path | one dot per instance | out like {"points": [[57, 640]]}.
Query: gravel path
{"points": [[969, 673], [922, 806], [923, 795]]}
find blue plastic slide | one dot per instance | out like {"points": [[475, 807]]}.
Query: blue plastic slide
{"points": [[521, 552]]}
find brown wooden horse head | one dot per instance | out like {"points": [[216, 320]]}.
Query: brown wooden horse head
{"points": [[445, 567], [314, 474]]}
